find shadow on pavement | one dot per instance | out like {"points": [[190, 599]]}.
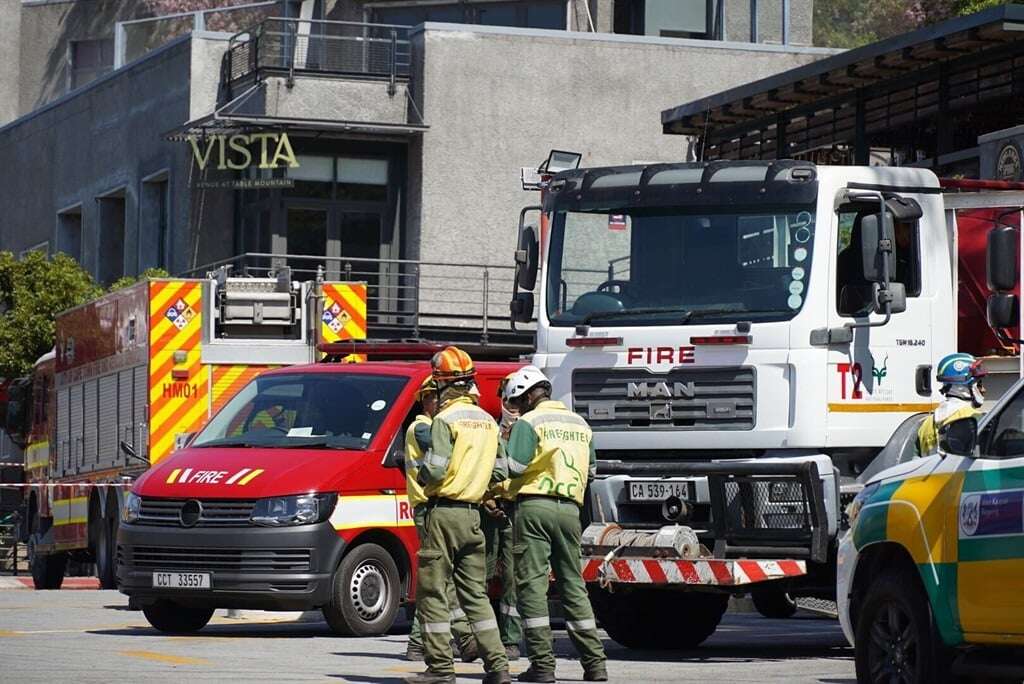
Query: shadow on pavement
{"points": [[367, 679], [388, 656]]}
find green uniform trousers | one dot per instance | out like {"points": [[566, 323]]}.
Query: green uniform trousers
{"points": [[547, 535], [498, 533], [460, 628], [453, 551]]}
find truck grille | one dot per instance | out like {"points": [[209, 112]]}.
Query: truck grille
{"points": [[682, 399], [190, 559], [223, 513]]}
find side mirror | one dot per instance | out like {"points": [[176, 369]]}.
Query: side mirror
{"points": [[1002, 260], [521, 307], [959, 438], [1003, 310], [16, 418], [876, 240], [527, 258], [395, 457], [895, 295]]}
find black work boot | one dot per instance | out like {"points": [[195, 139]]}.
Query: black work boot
{"points": [[534, 675], [595, 673], [468, 651], [512, 652], [499, 677], [429, 677], [414, 652]]}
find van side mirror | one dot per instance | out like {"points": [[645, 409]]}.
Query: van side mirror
{"points": [[895, 296], [521, 307], [395, 456], [16, 418], [1002, 310], [527, 258], [959, 438], [876, 240], [1001, 259]]}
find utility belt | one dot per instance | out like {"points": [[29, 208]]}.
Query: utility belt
{"points": [[544, 497], [441, 502]]}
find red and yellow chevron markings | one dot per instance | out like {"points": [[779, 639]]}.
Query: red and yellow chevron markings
{"points": [[194, 476], [344, 316], [227, 380], [178, 384]]}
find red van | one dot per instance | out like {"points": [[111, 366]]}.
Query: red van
{"points": [[291, 498]]}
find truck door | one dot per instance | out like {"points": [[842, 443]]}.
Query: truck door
{"points": [[873, 382], [990, 539]]}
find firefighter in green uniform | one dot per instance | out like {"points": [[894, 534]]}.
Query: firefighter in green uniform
{"points": [[464, 641], [962, 396], [550, 459], [456, 473], [497, 525]]}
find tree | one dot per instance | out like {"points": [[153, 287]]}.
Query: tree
{"points": [[33, 290], [852, 23]]}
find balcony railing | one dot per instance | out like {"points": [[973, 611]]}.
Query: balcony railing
{"points": [[378, 51], [406, 298]]}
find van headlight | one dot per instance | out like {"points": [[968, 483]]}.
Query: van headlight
{"points": [[302, 509], [132, 508]]}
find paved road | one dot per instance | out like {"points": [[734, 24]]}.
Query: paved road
{"points": [[90, 636]]}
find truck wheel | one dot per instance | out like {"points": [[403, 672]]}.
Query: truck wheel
{"points": [[47, 569], [772, 602], [175, 618], [106, 554], [896, 639], [365, 593], [656, 619]]}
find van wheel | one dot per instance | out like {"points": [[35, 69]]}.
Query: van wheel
{"points": [[896, 639], [773, 603], [656, 619], [365, 593], [47, 569], [106, 553], [175, 618]]}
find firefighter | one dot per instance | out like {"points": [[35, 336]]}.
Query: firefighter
{"points": [[456, 473], [497, 525], [414, 450], [962, 396], [550, 458]]}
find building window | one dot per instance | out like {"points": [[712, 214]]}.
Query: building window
{"points": [[542, 14], [89, 59], [110, 257], [665, 18], [69, 232], [154, 219]]}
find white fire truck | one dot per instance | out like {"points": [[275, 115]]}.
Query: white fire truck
{"points": [[748, 341]]}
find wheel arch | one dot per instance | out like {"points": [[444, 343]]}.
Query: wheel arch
{"points": [[393, 545], [871, 560]]}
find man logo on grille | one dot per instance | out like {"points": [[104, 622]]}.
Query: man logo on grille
{"points": [[190, 513], [661, 390]]}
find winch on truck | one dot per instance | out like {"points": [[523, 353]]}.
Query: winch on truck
{"points": [[745, 339]]}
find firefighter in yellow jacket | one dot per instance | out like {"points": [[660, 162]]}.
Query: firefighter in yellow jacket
{"points": [[963, 394], [414, 451], [455, 475], [550, 458]]}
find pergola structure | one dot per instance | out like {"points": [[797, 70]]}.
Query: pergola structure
{"points": [[922, 99]]}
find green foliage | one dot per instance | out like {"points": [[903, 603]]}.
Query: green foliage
{"points": [[33, 290], [852, 23], [127, 281]]}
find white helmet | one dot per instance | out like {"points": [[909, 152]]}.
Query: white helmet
{"points": [[524, 380]]}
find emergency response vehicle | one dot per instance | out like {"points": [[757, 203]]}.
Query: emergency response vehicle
{"points": [[135, 371], [291, 498], [931, 573], [744, 338]]}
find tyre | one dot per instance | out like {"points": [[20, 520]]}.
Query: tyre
{"points": [[106, 553], [175, 618], [365, 593], [656, 619], [47, 569], [896, 639], [773, 603]]}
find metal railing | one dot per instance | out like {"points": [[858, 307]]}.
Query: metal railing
{"points": [[380, 51], [9, 544], [405, 298]]}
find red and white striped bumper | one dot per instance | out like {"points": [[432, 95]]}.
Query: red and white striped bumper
{"points": [[694, 572]]}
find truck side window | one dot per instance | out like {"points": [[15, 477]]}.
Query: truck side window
{"points": [[1003, 437], [853, 293]]}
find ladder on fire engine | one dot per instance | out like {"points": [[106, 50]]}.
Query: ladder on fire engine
{"points": [[9, 553]]}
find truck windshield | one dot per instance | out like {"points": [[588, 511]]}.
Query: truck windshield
{"points": [[304, 410], [653, 266]]}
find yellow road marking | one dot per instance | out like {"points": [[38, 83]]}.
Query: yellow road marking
{"points": [[8, 633], [870, 407], [165, 658]]}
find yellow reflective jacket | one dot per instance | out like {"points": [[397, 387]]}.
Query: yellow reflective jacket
{"points": [[464, 447], [413, 461], [551, 453], [950, 410]]}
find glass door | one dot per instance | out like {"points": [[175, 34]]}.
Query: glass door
{"points": [[359, 236], [304, 237]]}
